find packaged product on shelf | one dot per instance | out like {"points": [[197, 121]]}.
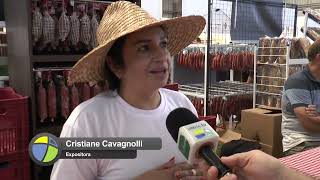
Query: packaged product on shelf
{"points": [[64, 30], [304, 44], [274, 51], [283, 71], [48, 31], [271, 101], [94, 27], [85, 30], [265, 69], [273, 81], [63, 26], [278, 102], [299, 48], [266, 81], [282, 51], [56, 34], [266, 50], [263, 99], [74, 34], [36, 25]]}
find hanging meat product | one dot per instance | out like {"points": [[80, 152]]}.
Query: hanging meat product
{"points": [[64, 26], [74, 97], [48, 29], [74, 34], [94, 28], [85, 30], [64, 92], [52, 99], [42, 101], [36, 25]]}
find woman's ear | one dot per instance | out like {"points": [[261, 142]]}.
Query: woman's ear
{"points": [[113, 67]]}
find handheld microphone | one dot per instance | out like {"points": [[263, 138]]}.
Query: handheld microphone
{"points": [[195, 138]]}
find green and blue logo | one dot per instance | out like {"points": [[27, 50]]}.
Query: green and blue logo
{"points": [[44, 149]]}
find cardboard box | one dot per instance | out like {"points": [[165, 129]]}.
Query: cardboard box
{"points": [[228, 136], [264, 147], [264, 126]]}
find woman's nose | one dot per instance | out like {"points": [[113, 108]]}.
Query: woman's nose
{"points": [[160, 54]]}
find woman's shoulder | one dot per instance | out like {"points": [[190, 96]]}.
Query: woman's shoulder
{"points": [[90, 114], [171, 95], [99, 103]]}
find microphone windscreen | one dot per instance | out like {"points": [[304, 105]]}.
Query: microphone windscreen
{"points": [[178, 118]]}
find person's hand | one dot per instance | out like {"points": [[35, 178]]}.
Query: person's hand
{"points": [[311, 111], [172, 171], [250, 165]]}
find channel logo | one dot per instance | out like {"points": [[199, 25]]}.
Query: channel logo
{"points": [[44, 149]]}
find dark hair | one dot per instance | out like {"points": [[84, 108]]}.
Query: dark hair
{"points": [[314, 49], [116, 55]]}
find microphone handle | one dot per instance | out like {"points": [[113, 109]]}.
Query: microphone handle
{"points": [[213, 160]]}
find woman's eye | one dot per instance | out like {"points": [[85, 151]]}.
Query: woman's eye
{"points": [[164, 44], [143, 48]]}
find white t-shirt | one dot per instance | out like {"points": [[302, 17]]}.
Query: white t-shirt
{"points": [[108, 115]]}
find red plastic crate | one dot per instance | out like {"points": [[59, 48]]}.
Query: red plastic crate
{"points": [[211, 120], [17, 168], [14, 123]]}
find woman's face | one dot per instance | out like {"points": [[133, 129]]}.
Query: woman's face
{"points": [[146, 59]]}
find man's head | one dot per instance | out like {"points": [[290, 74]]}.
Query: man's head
{"points": [[314, 52]]}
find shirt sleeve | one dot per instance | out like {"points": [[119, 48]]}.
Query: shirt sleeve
{"points": [[298, 93], [74, 169]]}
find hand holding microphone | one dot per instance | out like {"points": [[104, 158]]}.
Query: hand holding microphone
{"points": [[196, 139]]}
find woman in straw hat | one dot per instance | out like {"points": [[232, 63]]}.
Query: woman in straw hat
{"points": [[133, 56]]}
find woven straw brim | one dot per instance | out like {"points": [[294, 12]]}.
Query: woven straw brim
{"points": [[181, 32]]}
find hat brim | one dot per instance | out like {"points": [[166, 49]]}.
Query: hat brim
{"points": [[181, 32]]}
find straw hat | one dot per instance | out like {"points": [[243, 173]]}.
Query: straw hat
{"points": [[122, 18]]}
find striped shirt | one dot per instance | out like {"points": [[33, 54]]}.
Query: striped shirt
{"points": [[300, 90]]}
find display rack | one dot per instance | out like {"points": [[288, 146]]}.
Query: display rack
{"points": [[23, 61], [222, 95], [179, 73], [194, 86], [269, 78]]}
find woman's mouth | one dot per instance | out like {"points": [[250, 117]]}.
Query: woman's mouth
{"points": [[158, 71]]}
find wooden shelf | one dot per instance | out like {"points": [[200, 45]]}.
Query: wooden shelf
{"points": [[56, 58]]}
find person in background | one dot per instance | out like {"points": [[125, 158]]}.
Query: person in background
{"points": [[301, 97], [256, 165], [133, 55]]}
